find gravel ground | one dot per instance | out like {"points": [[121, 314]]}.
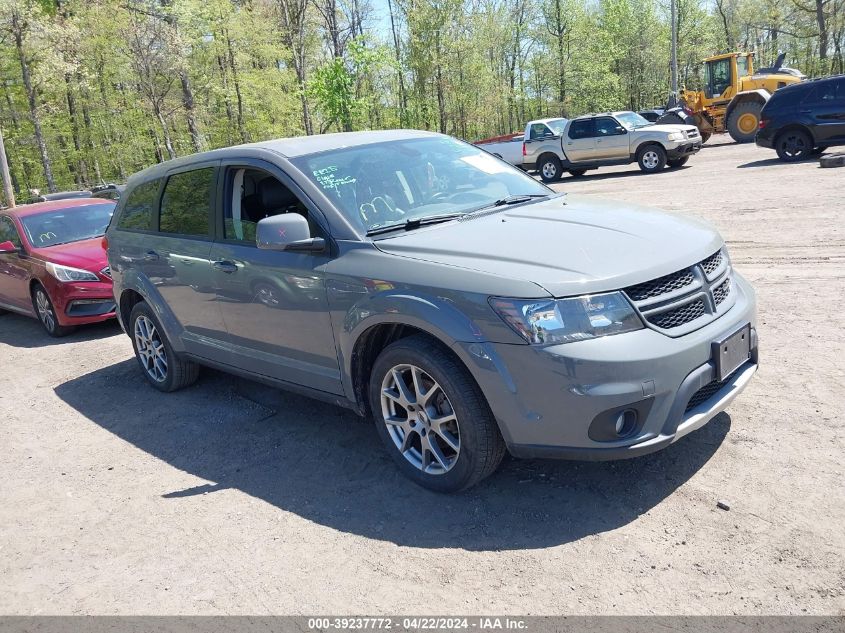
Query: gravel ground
{"points": [[119, 500]]}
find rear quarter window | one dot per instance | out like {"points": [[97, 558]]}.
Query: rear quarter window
{"points": [[187, 202], [137, 214]]}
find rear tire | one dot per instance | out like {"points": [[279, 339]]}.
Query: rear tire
{"points": [[651, 158], [549, 168], [160, 365], [677, 162], [793, 145], [46, 313], [436, 424], [744, 121]]}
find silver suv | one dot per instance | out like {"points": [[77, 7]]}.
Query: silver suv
{"points": [[418, 280]]}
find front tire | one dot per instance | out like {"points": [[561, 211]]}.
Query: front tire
{"points": [[432, 417], [160, 365], [794, 145], [47, 313], [549, 168], [651, 158], [744, 121]]}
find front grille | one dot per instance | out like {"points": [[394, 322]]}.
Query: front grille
{"points": [[661, 285], [706, 392], [672, 301], [721, 293], [712, 263], [679, 316]]}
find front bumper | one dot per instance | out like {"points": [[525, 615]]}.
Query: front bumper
{"points": [[546, 400], [684, 149], [80, 303]]}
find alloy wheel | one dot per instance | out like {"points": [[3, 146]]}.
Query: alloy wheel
{"points": [[151, 351], [650, 159], [45, 310], [420, 419], [549, 170], [794, 145]]}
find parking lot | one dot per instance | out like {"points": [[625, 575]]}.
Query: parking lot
{"points": [[229, 498]]}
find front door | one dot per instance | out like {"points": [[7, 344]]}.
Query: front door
{"points": [[579, 143], [14, 271], [611, 139], [273, 303]]}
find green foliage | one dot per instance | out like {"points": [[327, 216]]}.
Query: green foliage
{"points": [[117, 85]]}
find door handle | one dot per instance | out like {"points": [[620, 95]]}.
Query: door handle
{"points": [[225, 266], [151, 256]]}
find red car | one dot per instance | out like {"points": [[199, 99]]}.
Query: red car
{"points": [[53, 265]]}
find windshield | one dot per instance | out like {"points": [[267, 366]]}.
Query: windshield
{"points": [[632, 120], [67, 225], [391, 183], [557, 125]]}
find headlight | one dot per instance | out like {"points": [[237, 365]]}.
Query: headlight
{"points": [[549, 321], [66, 273], [676, 136]]}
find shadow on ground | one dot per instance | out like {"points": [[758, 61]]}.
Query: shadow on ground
{"points": [[600, 175], [20, 331], [324, 464]]}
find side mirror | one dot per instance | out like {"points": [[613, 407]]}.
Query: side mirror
{"points": [[8, 247], [287, 232], [621, 130]]}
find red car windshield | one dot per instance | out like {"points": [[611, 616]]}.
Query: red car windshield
{"points": [[67, 225]]}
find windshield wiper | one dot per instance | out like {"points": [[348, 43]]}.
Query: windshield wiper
{"points": [[515, 199], [414, 223]]}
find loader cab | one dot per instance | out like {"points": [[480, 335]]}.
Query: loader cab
{"points": [[725, 71]]}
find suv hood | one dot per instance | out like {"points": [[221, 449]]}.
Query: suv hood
{"points": [[668, 128], [568, 246], [85, 254]]}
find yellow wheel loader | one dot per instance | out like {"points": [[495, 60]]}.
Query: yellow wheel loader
{"points": [[733, 96]]}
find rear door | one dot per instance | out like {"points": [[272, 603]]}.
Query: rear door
{"points": [[175, 257], [825, 105], [14, 270], [579, 144], [274, 303], [611, 139]]}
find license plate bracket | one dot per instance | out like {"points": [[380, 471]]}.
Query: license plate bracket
{"points": [[732, 351]]}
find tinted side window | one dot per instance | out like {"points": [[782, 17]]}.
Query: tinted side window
{"points": [[605, 126], [539, 130], [581, 129], [186, 203], [8, 232], [138, 211]]}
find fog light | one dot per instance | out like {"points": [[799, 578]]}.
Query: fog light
{"points": [[626, 422]]}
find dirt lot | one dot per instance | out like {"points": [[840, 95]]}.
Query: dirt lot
{"points": [[116, 499]]}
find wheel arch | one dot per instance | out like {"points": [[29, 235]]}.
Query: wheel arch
{"points": [[548, 154], [397, 317], [645, 144], [135, 288], [760, 96], [791, 127]]}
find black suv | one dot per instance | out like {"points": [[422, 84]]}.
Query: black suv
{"points": [[804, 118]]}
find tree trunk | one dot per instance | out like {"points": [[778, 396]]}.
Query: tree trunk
{"points": [[17, 29], [82, 167], [823, 34], [188, 104], [236, 82], [403, 99]]}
